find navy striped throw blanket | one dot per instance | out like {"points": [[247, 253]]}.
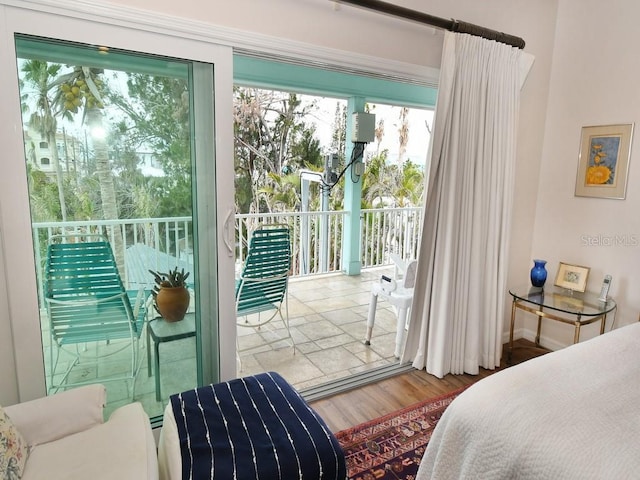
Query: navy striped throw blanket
{"points": [[257, 427]]}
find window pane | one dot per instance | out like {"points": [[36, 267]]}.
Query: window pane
{"points": [[121, 174]]}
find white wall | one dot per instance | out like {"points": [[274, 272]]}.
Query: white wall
{"points": [[344, 27], [320, 23], [8, 380], [594, 82]]}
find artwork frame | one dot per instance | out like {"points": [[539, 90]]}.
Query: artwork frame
{"points": [[603, 161], [572, 277]]}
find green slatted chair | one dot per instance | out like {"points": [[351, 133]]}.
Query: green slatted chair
{"points": [[87, 303], [261, 290]]}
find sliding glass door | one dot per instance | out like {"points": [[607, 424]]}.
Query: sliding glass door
{"points": [[118, 149], [109, 157]]}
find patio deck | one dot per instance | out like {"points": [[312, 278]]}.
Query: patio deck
{"points": [[328, 323]]}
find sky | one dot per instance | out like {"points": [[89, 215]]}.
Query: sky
{"points": [[418, 134]]}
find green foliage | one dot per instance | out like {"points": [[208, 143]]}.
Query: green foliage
{"points": [[390, 185], [306, 152], [243, 193], [43, 196], [274, 140], [411, 185], [177, 202], [282, 193], [157, 116]]}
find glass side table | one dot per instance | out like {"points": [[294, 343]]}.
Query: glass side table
{"points": [[162, 331], [561, 305]]}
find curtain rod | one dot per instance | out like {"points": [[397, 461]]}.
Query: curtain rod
{"points": [[442, 23]]}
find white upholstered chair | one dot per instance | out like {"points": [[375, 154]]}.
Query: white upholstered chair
{"points": [[68, 438]]}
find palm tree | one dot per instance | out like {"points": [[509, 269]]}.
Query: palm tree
{"points": [[82, 91], [43, 76], [408, 190], [376, 184], [379, 134], [403, 133], [281, 195]]}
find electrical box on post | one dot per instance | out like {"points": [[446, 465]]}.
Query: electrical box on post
{"points": [[330, 166], [331, 161], [364, 127]]}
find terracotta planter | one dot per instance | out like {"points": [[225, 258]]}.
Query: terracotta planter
{"points": [[172, 303]]}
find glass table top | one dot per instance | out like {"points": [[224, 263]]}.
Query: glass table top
{"points": [[563, 300], [163, 331]]}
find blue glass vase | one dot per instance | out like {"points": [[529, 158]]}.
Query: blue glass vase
{"points": [[538, 273]]}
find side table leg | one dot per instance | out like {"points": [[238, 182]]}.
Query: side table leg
{"points": [[513, 320], [603, 323], [539, 328], [147, 335], [157, 369]]}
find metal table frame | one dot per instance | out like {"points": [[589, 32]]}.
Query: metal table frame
{"points": [[561, 305]]}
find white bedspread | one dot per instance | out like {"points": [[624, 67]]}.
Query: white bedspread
{"points": [[570, 414]]}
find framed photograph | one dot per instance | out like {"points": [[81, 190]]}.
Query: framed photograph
{"points": [[572, 277], [604, 161]]}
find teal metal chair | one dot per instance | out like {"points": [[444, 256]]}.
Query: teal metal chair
{"points": [[262, 289], [87, 303]]}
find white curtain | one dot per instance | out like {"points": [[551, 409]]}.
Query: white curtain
{"points": [[457, 313]]}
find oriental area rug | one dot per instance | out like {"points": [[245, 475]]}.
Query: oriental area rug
{"points": [[391, 447]]}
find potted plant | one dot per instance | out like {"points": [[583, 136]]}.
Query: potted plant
{"points": [[170, 293]]}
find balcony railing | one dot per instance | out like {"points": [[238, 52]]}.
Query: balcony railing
{"points": [[164, 243]]}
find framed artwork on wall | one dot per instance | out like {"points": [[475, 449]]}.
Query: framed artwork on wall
{"points": [[603, 163], [572, 277]]}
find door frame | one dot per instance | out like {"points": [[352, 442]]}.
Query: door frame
{"points": [[219, 363]]}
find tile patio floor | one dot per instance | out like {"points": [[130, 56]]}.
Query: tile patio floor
{"points": [[328, 324]]}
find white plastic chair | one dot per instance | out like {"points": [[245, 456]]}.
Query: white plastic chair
{"points": [[398, 292]]}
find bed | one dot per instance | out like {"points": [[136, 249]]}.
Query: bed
{"points": [[570, 414]]}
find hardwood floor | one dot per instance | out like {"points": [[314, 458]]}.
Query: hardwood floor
{"points": [[350, 408]]}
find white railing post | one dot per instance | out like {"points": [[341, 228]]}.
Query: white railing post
{"points": [[324, 233]]}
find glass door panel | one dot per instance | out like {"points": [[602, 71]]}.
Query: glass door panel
{"points": [[110, 152], [329, 312]]}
